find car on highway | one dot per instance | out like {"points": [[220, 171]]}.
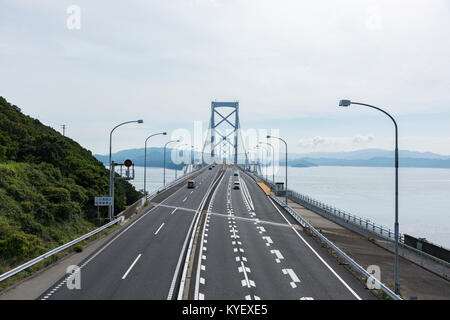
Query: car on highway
{"points": [[210, 168], [191, 184], [236, 185], [236, 174]]}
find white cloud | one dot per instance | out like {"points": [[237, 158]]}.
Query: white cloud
{"points": [[319, 143], [166, 60]]}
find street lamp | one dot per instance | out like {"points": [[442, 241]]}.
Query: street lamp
{"points": [[164, 179], [176, 164], [273, 161], [285, 188], [267, 156], [145, 160], [111, 169], [347, 103]]}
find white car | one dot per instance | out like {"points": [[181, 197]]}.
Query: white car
{"points": [[236, 185]]}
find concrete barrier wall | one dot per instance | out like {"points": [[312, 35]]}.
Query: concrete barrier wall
{"points": [[427, 247]]}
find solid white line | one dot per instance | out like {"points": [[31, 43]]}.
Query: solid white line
{"points": [[190, 238], [159, 229], [318, 256], [132, 265], [174, 211], [184, 199]]}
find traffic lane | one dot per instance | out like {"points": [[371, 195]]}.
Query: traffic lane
{"points": [[272, 279], [219, 275], [151, 277], [116, 253], [319, 276], [216, 273], [101, 272], [270, 209], [263, 208], [191, 198], [317, 280]]}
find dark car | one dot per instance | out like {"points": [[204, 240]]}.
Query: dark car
{"points": [[191, 184]]}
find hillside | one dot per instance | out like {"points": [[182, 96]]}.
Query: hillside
{"points": [[47, 187]]}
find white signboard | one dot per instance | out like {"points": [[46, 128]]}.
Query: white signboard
{"points": [[103, 201]]}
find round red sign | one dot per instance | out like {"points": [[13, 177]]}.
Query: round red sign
{"points": [[128, 163]]}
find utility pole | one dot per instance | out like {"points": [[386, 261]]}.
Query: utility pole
{"points": [[64, 129]]}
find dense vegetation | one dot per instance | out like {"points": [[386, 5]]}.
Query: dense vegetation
{"points": [[47, 187]]}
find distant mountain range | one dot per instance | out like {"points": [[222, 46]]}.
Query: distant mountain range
{"points": [[370, 158], [155, 157], [367, 154], [358, 158]]}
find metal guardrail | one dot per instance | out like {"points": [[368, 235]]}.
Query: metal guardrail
{"points": [[50, 253], [365, 224], [360, 222], [338, 251]]}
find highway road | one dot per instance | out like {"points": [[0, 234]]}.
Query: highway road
{"points": [[143, 260], [249, 249]]}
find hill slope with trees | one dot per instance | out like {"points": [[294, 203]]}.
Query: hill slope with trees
{"points": [[47, 187]]}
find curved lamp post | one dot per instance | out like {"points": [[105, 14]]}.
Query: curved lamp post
{"points": [[176, 164], [273, 161], [267, 156], [145, 160], [164, 179], [286, 181], [347, 103], [111, 170]]}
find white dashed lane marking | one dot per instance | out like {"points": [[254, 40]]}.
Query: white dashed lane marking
{"points": [[131, 267], [159, 228]]}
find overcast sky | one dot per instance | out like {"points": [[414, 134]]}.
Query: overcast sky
{"points": [[287, 62]]}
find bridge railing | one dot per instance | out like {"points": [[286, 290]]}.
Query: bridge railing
{"points": [[119, 219], [354, 266], [348, 217], [366, 224], [50, 253]]}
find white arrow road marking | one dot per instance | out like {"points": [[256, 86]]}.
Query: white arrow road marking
{"points": [[131, 267], [269, 240], [293, 277], [278, 254], [159, 229]]}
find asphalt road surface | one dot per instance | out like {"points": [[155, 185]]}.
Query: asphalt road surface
{"points": [[249, 249], [143, 260]]}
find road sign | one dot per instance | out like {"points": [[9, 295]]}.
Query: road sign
{"points": [[128, 163], [103, 201]]}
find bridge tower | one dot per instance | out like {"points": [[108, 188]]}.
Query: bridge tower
{"points": [[233, 109]]}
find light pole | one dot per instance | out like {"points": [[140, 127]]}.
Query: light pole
{"points": [[267, 156], [145, 160], [273, 161], [111, 169], [347, 103], [164, 179], [285, 187], [176, 164]]}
